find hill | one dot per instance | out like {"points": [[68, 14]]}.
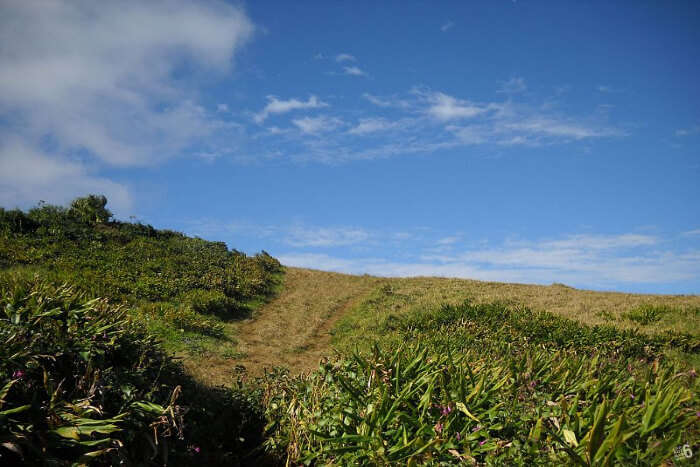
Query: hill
{"points": [[288, 365]]}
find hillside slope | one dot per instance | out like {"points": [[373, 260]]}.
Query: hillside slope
{"points": [[294, 330]]}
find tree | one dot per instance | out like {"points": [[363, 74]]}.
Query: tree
{"points": [[90, 209]]}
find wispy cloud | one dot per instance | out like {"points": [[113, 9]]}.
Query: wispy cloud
{"points": [[451, 240], [315, 125], [278, 106], [427, 121], [340, 58], [354, 71], [387, 102], [693, 130], [513, 85], [325, 237], [375, 125], [447, 26], [559, 128], [594, 261], [444, 107]]}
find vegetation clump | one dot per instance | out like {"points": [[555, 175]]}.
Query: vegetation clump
{"points": [[78, 382], [172, 281], [489, 384]]}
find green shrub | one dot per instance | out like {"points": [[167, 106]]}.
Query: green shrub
{"points": [[214, 302], [183, 317], [490, 384], [90, 209], [414, 406], [78, 382], [647, 314]]}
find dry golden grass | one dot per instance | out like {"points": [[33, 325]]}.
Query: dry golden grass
{"points": [[586, 306], [294, 330]]}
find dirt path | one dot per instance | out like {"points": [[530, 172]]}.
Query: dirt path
{"points": [[294, 329]]}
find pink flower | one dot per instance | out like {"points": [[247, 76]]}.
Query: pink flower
{"points": [[476, 428], [458, 436], [18, 374], [481, 443], [438, 427], [196, 449]]}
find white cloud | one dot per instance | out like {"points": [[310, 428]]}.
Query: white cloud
{"points": [[340, 58], [444, 107], [320, 124], [596, 261], [354, 71], [447, 26], [277, 106], [28, 174], [325, 237], [98, 76], [688, 131], [222, 108], [449, 240], [692, 233], [513, 85], [550, 126], [602, 242], [99, 79], [383, 102], [373, 125], [430, 121]]}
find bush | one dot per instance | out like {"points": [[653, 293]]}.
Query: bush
{"points": [[90, 209], [183, 317], [214, 302], [414, 406], [78, 382], [647, 314]]}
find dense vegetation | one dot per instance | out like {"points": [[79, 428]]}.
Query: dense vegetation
{"points": [[92, 309], [491, 384], [81, 378], [175, 281]]}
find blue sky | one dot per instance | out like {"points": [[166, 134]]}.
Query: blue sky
{"points": [[522, 141]]}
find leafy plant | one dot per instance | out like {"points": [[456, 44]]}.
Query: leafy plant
{"points": [[489, 384], [78, 382], [647, 314]]}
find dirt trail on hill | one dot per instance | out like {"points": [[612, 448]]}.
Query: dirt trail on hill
{"points": [[293, 330]]}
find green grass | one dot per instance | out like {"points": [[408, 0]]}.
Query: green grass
{"points": [[185, 290], [493, 384], [429, 371]]}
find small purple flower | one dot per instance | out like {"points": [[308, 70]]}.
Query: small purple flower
{"points": [[18, 374], [458, 436], [446, 410], [481, 443], [632, 396], [476, 428], [196, 449], [698, 413]]}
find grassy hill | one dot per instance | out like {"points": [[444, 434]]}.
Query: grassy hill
{"points": [[445, 371], [93, 309], [288, 365]]}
